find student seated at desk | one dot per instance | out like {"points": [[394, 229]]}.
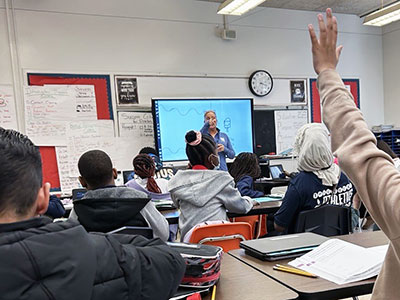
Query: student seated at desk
{"points": [[56, 208], [97, 175], [202, 193], [244, 170], [164, 172], [144, 168], [44, 260], [319, 181]]}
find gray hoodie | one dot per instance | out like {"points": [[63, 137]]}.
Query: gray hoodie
{"points": [[205, 195], [152, 216]]}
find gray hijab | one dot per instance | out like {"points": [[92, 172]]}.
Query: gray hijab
{"points": [[312, 147]]}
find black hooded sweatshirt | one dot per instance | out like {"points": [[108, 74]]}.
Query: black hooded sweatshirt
{"points": [[43, 260]]}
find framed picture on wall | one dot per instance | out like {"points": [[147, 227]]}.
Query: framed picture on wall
{"points": [[298, 92], [127, 90]]}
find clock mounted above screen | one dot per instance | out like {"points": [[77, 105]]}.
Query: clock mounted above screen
{"points": [[260, 83]]}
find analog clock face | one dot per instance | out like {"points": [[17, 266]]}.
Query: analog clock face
{"points": [[260, 83]]}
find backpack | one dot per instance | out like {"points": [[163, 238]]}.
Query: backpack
{"points": [[203, 263]]}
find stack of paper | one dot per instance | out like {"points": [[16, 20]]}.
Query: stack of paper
{"points": [[342, 262]]}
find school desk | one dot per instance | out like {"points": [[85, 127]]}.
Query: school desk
{"points": [[318, 288], [266, 185], [239, 281], [172, 215]]}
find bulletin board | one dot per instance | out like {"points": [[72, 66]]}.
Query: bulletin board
{"points": [[104, 111], [353, 85]]}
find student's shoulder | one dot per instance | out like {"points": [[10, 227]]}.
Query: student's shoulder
{"points": [[245, 179], [303, 177]]}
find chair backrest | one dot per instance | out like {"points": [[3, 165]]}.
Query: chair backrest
{"points": [[227, 235], [327, 220], [147, 232]]}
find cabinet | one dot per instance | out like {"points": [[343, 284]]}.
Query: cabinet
{"points": [[392, 138]]}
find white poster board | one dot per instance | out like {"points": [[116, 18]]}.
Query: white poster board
{"points": [[287, 122], [50, 109], [67, 183], [138, 126], [89, 135], [8, 116]]}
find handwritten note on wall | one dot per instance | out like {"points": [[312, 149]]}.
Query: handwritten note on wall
{"points": [[8, 116], [67, 182], [287, 122], [88, 135], [138, 126], [49, 110], [83, 99]]}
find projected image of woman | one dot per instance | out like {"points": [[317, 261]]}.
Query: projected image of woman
{"points": [[224, 146]]}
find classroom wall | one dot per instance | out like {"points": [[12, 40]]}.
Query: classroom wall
{"points": [[179, 38], [391, 74]]}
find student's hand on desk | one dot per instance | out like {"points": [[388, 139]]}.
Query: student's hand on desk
{"points": [[220, 147], [255, 203], [324, 51]]}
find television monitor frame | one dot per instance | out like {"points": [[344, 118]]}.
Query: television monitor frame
{"points": [[155, 128]]}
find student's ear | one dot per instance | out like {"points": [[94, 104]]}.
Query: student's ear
{"points": [[42, 199], [82, 181], [115, 173]]}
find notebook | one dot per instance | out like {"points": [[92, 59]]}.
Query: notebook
{"points": [[283, 246]]}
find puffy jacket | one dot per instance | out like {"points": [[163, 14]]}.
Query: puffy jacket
{"points": [[205, 195], [43, 260], [112, 207]]}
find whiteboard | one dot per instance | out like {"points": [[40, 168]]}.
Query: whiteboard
{"points": [[287, 123]]}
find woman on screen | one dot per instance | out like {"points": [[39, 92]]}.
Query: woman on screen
{"points": [[224, 146]]}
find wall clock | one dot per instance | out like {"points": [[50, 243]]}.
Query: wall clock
{"points": [[261, 83]]}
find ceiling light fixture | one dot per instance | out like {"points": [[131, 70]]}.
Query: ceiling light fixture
{"points": [[237, 7], [384, 15]]}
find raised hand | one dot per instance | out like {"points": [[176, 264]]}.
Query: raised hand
{"points": [[324, 51]]}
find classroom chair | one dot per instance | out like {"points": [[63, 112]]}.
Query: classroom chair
{"points": [[327, 220], [254, 221], [227, 235]]}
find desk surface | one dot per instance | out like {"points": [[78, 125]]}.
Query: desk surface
{"points": [[318, 288], [239, 281], [264, 208], [172, 215]]}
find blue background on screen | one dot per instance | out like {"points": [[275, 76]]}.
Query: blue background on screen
{"points": [[176, 117]]}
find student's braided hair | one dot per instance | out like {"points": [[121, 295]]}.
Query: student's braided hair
{"points": [[245, 163], [198, 154], [144, 167]]}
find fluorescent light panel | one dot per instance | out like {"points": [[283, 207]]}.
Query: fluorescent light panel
{"points": [[384, 16], [237, 7]]}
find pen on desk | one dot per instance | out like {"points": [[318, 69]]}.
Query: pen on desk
{"points": [[213, 292], [294, 271]]}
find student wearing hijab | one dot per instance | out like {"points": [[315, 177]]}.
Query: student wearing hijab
{"points": [[319, 181]]}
